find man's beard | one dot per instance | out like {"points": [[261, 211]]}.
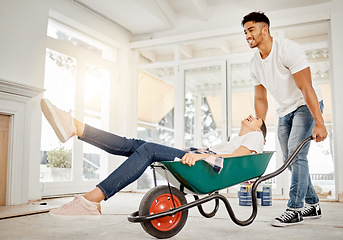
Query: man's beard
{"points": [[256, 41]]}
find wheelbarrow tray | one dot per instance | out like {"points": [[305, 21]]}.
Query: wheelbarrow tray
{"points": [[202, 179]]}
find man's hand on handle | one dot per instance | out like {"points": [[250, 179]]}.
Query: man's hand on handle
{"points": [[319, 133]]}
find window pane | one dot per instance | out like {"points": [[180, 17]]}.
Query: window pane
{"points": [[155, 113], [320, 156], [91, 155], [155, 108], [56, 158], [203, 107], [66, 34], [96, 85]]}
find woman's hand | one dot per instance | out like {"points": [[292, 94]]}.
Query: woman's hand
{"points": [[191, 158]]}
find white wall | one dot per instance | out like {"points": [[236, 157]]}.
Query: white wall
{"points": [[22, 46], [23, 34]]}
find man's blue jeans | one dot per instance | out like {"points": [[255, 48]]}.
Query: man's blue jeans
{"points": [[140, 155], [293, 129]]}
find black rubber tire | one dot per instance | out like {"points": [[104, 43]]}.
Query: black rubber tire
{"points": [[165, 227]]}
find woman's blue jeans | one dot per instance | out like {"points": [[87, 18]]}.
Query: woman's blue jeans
{"points": [[140, 155], [293, 129]]}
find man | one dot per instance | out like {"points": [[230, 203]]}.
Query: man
{"points": [[281, 67]]}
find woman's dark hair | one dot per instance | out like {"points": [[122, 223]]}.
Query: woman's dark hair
{"points": [[255, 17], [264, 129]]}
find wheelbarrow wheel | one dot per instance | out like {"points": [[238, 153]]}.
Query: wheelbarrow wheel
{"points": [[159, 200]]}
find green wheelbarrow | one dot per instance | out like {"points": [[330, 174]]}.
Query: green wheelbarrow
{"points": [[163, 211]]}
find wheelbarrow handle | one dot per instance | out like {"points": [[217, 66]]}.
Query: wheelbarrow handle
{"points": [[287, 162]]}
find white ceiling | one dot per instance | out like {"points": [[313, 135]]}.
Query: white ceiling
{"points": [[185, 22], [183, 16]]}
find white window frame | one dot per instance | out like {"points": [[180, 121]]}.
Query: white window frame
{"points": [[83, 57], [180, 99]]}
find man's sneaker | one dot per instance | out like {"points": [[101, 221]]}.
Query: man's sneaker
{"points": [[311, 212], [288, 218], [60, 121], [76, 209]]}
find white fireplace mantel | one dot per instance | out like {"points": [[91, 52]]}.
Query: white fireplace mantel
{"points": [[16, 101], [19, 89]]}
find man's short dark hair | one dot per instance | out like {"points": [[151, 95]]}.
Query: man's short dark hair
{"points": [[264, 129], [255, 17]]}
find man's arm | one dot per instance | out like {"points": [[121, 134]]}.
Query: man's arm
{"points": [[304, 83], [261, 102]]}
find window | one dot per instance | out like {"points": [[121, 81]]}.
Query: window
{"points": [[63, 33], [156, 107], [320, 156], [56, 158], [204, 106], [77, 78]]}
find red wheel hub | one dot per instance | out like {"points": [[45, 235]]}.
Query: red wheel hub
{"points": [[163, 203]]}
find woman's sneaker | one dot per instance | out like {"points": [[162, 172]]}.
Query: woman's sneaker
{"points": [[311, 212], [78, 208], [61, 121], [288, 218]]}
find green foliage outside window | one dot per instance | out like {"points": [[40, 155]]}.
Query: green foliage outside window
{"points": [[59, 157]]}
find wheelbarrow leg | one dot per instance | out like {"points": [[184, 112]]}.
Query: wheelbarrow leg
{"points": [[203, 213]]}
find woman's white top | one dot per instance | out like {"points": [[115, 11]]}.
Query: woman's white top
{"points": [[254, 141]]}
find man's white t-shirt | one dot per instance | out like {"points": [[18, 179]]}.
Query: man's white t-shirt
{"points": [[276, 71], [254, 141]]}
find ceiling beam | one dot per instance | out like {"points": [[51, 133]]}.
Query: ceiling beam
{"points": [[224, 45], [167, 11], [149, 54], [186, 51], [161, 10], [202, 8], [209, 34]]}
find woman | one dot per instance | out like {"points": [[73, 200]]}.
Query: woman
{"points": [[140, 155]]}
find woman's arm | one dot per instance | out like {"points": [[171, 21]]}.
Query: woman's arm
{"points": [[191, 158]]}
